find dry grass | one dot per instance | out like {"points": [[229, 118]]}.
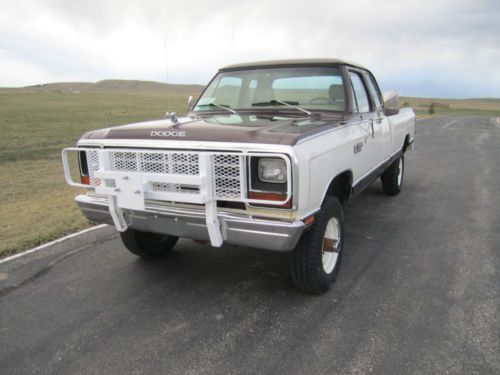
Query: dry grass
{"points": [[36, 204]]}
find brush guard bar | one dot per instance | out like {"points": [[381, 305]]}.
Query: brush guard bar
{"points": [[127, 177]]}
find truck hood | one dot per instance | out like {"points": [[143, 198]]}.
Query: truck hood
{"points": [[266, 129]]}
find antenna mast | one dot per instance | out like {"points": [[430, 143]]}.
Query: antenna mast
{"points": [[166, 73]]}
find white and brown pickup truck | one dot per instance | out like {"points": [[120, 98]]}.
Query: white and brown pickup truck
{"points": [[268, 156]]}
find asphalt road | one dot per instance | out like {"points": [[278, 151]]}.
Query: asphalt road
{"points": [[418, 291]]}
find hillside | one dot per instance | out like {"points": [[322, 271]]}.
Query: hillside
{"points": [[112, 86]]}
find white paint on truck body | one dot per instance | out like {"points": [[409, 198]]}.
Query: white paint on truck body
{"points": [[327, 155]]}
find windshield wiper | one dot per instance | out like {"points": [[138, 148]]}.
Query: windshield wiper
{"points": [[223, 106], [288, 104]]}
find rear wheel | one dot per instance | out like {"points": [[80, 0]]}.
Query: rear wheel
{"points": [[315, 262], [392, 178], [147, 245]]}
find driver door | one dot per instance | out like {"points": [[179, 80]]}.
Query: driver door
{"points": [[368, 145]]}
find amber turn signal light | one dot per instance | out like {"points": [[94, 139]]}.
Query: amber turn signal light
{"points": [[308, 220], [276, 197]]}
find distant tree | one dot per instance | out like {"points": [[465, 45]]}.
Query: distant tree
{"points": [[406, 104], [432, 108]]}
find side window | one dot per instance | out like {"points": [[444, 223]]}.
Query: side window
{"points": [[372, 85], [361, 101]]}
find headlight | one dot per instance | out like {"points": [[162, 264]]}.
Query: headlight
{"points": [[272, 170]]}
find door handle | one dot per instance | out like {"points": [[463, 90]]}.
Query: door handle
{"points": [[373, 129]]}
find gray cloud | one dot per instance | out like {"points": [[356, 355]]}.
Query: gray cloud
{"points": [[432, 48]]}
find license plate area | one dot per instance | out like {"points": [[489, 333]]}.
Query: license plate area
{"points": [[128, 188]]}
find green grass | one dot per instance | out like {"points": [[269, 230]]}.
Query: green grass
{"points": [[36, 204], [36, 123]]}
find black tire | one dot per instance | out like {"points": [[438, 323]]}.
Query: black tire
{"points": [[147, 245], [391, 182], [306, 260]]}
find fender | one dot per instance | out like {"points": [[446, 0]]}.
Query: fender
{"points": [[333, 178]]}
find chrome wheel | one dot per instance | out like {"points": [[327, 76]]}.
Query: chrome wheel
{"points": [[400, 171], [331, 245]]}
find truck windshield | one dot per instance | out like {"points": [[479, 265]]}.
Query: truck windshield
{"points": [[310, 88]]}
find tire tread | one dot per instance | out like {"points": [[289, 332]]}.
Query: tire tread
{"points": [[305, 263], [140, 244], [390, 178]]}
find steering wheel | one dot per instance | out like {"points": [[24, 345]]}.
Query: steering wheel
{"points": [[320, 100]]}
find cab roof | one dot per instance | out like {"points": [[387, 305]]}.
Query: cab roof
{"points": [[291, 62]]}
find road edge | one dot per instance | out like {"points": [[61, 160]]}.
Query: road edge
{"points": [[47, 244]]}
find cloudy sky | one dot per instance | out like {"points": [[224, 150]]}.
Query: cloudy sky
{"points": [[437, 48]]}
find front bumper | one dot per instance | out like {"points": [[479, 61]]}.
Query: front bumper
{"points": [[236, 229]]}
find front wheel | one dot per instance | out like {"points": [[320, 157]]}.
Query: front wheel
{"points": [[147, 245], [392, 178], [315, 262]]}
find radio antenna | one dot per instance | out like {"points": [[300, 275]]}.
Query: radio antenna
{"points": [[166, 74]]}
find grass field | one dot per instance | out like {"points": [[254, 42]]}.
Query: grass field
{"points": [[36, 123], [35, 202]]}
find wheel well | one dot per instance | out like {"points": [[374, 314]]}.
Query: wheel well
{"points": [[341, 187], [406, 143]]}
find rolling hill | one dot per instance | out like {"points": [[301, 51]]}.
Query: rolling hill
{"points": [[113, 86]]}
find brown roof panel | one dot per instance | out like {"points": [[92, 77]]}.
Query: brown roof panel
{"points": [[290, 62]]}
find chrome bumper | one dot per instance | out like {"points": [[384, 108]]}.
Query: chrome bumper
{"points": [[190, 223]]}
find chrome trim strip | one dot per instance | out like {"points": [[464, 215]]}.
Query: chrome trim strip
{"points": [[258, 232]]}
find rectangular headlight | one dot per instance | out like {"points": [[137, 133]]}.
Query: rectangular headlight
{"points": [[272, 170]]}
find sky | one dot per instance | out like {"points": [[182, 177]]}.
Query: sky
{"points": [[431, 48]]}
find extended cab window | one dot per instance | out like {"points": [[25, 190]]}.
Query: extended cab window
{"points": [[361, 102], [311, 91]]}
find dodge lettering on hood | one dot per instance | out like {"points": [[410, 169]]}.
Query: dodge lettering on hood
{"points": [[268, 156]]}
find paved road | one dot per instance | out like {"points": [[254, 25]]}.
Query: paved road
{"points": [[418, 291]]}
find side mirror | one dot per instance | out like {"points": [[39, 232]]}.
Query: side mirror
{"points": [[391, 103], [190, 102]]}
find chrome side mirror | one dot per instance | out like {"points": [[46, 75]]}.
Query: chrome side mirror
{"points": [[190, 102], [391, 103]]}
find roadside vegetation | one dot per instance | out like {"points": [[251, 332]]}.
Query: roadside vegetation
{"points": [[37, 122], [425, 107]]}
